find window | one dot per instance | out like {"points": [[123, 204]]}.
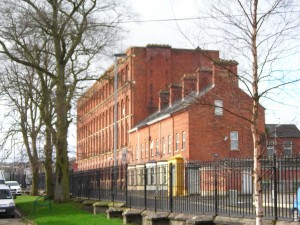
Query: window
{"points": [[287, 148], [164, 175], [140, 176], [137, 152], [234, 140], [271, 148], [218, 107], [142, 151], [156, 147], [132, 150], [146, 150], [163, 145], [151, 176], [183, 140], [177, 142], [169, 144], [151, 148], [132, 175]]}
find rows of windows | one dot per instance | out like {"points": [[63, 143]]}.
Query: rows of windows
{"points": [[104, 91], [159, 147], [164, 146], [287, 148], [102, 141], [155, 175], [103, 119]]}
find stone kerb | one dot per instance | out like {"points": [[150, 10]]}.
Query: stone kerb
{"points": [[100, 207], [203, 219], [147, 217], [115, 210], [179, 218], [155, 218], [132, 216], [239, 221], [88, 205]]}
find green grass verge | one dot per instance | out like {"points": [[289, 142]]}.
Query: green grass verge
{"points": [[67, 213]]}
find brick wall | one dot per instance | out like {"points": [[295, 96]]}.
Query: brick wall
{"points": [[152, 69], [206, 134]]}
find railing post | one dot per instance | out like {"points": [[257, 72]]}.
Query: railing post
{"points": [[99, 180], [126, 184], [216, 189], [171, 187], [113, 185], [275, 187], [145, 187]]}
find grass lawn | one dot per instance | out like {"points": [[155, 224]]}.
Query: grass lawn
{"points": [[68, 213]]}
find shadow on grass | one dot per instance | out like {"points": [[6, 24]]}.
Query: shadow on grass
{"points": [[67, 213]]}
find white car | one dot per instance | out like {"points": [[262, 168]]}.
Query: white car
{"points": [[7, 203], [14, 187]]}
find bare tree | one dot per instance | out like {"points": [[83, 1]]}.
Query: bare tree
{"points": [[258, 34], [78, 32], [18, 87]]}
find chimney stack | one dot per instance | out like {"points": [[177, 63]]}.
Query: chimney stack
{"points": [[189, 84], [204, 78], [163, 100], [225, 73], [175, 93]]}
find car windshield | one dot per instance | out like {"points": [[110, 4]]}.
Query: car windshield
{"points": [[12, 184], [5, 194]]}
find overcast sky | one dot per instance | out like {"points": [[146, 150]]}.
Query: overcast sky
{"points": [[173, 33]]}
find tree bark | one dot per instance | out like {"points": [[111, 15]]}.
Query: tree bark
{"points": [[255, 116], [62, 125], [35, 176], [48, 165]]}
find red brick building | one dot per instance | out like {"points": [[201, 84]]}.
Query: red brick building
{"points": [[283, 140], [204, 116], [140, 78]]}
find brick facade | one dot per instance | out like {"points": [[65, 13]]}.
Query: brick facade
{"points": [[194, 131], [141, 75], [282, 139]]}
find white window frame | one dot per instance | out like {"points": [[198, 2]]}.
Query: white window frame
{"points": [[177, 142], [234, 140], [142, 151], [151, 175], [156, 147], [169, 144], [288, 146], [163, 145], [183, 145], [271, 148], [218, 107], [146, 150], [151, 149], [132, 177]]}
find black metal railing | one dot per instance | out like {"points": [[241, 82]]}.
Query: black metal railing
{"points": [[218, 187]]}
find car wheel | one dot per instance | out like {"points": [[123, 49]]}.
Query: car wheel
{"points": [[13, 216]]}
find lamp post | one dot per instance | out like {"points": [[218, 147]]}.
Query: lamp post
{"points": [[117, 56]]}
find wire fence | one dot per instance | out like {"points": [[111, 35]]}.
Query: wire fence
{"points": [[218, 187]]}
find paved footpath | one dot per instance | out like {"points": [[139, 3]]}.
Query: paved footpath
{"points": [[11, 221]]}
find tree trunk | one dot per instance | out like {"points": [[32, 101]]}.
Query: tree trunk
{"points": [[254, 125], [62, 165], [48, 165], [62, 124], [257, 167], [35, 176]]}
